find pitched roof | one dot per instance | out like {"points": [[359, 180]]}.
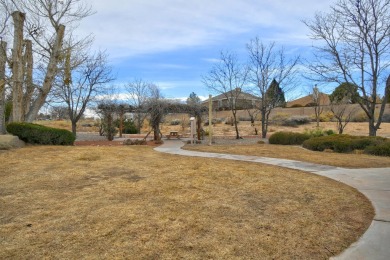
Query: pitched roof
{"points": [[241, 95], [303, 101]]}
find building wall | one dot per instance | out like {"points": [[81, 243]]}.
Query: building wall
{"points": [[297, 111]]}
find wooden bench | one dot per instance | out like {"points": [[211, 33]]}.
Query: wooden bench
{"points": [[173, 134]]}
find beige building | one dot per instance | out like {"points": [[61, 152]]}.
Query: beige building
{"points": [[307, 101], [242, 100]]}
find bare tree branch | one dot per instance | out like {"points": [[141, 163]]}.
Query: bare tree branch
{"points": [[271, 75], [356, 50], [228, 78], [81, 82]]}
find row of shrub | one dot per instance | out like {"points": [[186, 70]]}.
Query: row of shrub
{"points": [[135, 142], [319, 140], [290, 138], [296, 121], [347, 143], [39, 134]]}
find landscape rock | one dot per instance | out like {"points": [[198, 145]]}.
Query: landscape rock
{"points": [[10, 141]]}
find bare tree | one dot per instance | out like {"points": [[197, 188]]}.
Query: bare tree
{"points": [[3, 47], [196, 109], [341, 100], [228, 77], [43, 22], [253, 112], [318, 102], [4, 16], [17, 66], [356, 50], [107, 110], [59, 112], [269, 67], [139, 93], [156, 107], [81, 81]]}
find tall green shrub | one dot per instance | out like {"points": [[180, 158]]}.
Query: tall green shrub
{"points": [[382, 149], [38, 134], [288, 138], [342, 143]]}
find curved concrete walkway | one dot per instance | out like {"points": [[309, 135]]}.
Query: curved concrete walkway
{"points": [[374, 183]]}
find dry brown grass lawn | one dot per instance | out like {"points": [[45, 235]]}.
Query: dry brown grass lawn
{"points": [[132, 202], [298, 153]]}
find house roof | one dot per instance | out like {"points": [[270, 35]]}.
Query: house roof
{"points": [[241, 95], [303, 101]]}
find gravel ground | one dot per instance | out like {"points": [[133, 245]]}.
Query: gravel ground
{"points": [[218, 140], [231, 140], [90, 137]]}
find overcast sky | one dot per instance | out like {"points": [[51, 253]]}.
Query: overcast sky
{"points": [[174, 42]]}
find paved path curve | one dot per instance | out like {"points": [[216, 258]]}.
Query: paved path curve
{"points": [[374, 183]]}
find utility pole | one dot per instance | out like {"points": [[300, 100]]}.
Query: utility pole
{"points": [[210, 120]]}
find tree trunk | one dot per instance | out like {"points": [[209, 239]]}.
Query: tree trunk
{"points": [[383, 104], [264, 128], [236, 125], [340, 125], [29, 87], [372, 128], [51, 72], [121, 123], [17, 67], [3, 59], [317, 119], [156, 133], [139, 122], [110, 127], [198, 127], [74, 126]]}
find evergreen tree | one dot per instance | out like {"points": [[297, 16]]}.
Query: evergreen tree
{"points": [[346, 92], [275, 95]]}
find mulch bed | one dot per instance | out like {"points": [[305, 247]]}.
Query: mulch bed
{"points": [[107, 143]]}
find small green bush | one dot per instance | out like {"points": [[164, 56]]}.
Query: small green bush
{"points": [[317, 132], [382, 149], [128, 126], [326, 117], [329, 132], [288, 138], [342, 143], [360, 117], [134, 142], [39, 134], [279, 118], [296, 120]]}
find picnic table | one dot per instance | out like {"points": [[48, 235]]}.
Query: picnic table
{"points": [[174, 134]]}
